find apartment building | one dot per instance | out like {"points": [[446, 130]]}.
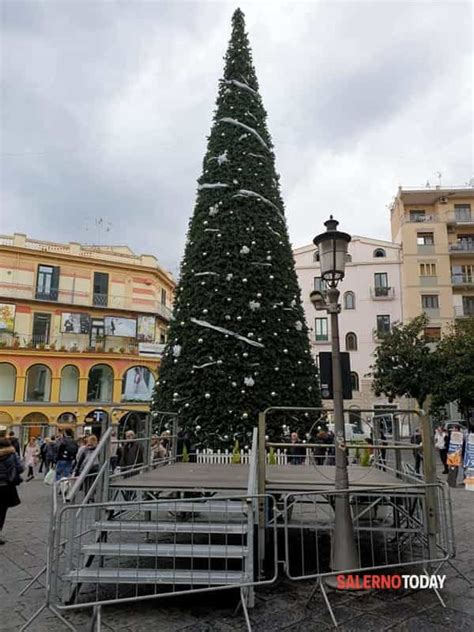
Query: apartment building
{"points": [[435, 229], [81, 331], [371, 303]]}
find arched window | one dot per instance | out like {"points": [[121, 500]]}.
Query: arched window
{"points": [[379, 252], [348, 258], [349, 300], [38, 383], [316, 255], [7, 382], [351, 341], [137, 384], [354, 381], [69, 384], [100, 384]]}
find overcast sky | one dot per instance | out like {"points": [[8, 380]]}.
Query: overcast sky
{"points": [[106, 107]]}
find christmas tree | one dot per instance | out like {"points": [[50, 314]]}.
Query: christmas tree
{"points": [[238, 342]]}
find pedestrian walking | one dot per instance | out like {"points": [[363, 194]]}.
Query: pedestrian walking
{"points": [[10, 470], [441, 441], [417, 452], [130, 453], [51, 449], [87, 453], [65, 455], [14, 442], [296, 453], [42, 455], [30, 458]]}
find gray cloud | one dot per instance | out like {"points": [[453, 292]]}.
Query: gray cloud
{"points": [[106, 107]]}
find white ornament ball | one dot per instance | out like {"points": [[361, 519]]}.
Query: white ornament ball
{"points": [[198, 427], [245, 415], [207, 396], [285, 350], [200, 341], [273, 394]]}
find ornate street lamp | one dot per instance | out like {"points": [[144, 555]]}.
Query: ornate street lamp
{"points": [[332, 246]]}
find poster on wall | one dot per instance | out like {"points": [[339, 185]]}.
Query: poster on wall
{"points": [[138, 384], [146, 329], [75, 323], [7, 317], [124, 327]]}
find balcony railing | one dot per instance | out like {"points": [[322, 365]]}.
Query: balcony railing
{"points": [[76, 343], [462, 279], [460, 217], [25, 291], [382, 293], [420, 219], [462, 247], [463, 311]]}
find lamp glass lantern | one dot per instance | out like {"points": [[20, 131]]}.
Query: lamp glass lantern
{"points": [[332, 246]]}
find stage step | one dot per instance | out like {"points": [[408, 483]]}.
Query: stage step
{"points": [[153, 576], [171, 550], [236, 507], [144, 526]]}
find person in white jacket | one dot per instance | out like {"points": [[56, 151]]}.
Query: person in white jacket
{"points": [[30, 456]]}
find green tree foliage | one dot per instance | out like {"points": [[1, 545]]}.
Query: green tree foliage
{"points": [[455, 359], [405, 363], [239, 342]]}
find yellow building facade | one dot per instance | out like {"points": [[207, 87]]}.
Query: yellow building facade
{"points": [[435, 227], [81, 332]]}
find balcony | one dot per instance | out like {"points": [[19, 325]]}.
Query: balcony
{"points": [[463, 311], [382, 293], [22, 291], [462, 248], [462, 280], [419, 219], [464, 218], [74, 343]]}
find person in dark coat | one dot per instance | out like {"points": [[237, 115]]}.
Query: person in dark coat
{"points": [[14, 442], [296, 452], [10, 470], [131, 452]]}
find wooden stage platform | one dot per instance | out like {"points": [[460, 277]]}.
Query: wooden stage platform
{"points": [[233, 478]]}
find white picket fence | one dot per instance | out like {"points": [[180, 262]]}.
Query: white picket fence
{"points": [[226, 457]]}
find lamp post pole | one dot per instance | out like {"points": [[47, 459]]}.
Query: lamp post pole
{"points": [[332, 246], [343, 553]]}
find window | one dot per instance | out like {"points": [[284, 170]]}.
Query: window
{"points": [[320, 284], [163, 297], [47, 283], [427, 269], [354, 381], [351, 341], [383, 324], [465, 242], [38, 383], [101, 289], [432, 334], [7, 382], [417, 216], [69, 384], [321, 329], [355, 418], [97, 333], [316, 255], [424, 239], [467, 306], [348, 258], [100, 383], [41, 328], [379, 252], [137, 384], [429, 301], [162, 337], [462, 212], [381, 284], [349, 300]]}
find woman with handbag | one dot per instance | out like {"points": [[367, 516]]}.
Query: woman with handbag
{"points": [[10, 470]]}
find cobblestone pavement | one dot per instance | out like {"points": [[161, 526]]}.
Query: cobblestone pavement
{"points": [[281, 606]]}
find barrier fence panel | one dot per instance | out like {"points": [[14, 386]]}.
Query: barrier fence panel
{"points": [[116, 552], [390, 526]]}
